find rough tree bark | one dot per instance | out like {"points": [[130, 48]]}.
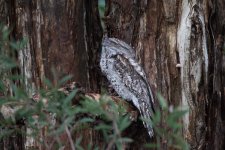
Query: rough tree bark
{"points": [[64, 35], [179, 43], [16, 140]]}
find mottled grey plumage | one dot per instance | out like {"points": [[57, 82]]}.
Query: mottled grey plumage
{"points": [[127, 77]]}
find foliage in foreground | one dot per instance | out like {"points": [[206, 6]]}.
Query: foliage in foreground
{"points": [[167, 126], [54, 112]]}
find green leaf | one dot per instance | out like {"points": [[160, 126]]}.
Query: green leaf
{"points": [[162, 101], [78, 143], [22, 43], [70, 96], [125, 140], [123, 123], [180, 142], [156, 117], [48, 83], [7, 63], [2, 87], [5, 33], [86, 120], [3, 101], [103, 127], [15, 77], [65, 79], [92, 107], [174, 117], [6, 133]]}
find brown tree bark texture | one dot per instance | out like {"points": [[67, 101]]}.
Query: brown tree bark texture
{"points": [[178, 42], [16, 140], [64, 35]]}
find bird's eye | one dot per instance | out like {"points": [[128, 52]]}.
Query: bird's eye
{"points": [[113, 56]]}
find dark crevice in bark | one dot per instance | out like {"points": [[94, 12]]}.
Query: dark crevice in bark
{"points": [[160, 49], [64, 35], [94, 36], [215, 105]]}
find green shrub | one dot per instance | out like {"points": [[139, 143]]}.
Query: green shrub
{"points": [[55, 113]]}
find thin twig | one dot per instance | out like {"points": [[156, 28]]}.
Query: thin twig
{"points": [[110, 145], [70, 138], [117, 135]]}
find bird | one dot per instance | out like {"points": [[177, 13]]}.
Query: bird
{"points": [[126, 76]]}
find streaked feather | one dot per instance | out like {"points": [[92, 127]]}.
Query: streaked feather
{"points": [[127, 77]]}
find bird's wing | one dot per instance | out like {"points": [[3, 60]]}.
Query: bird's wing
{"points": [[137, 84], [134, 80], [127, 77], [126, 58], [137, 67], [129, 54]]}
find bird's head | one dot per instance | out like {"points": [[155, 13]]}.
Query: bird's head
{"points": [[113, 46]]}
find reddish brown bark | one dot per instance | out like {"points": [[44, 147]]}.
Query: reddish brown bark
{"points": [[154, 29], [66, 35]]}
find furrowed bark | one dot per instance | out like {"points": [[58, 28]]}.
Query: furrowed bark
{"points": [[15, 140], [193, 53], [180, 44], [177, 43], [64, 35]]}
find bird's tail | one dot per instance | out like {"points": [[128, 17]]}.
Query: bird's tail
{"points": [[150, 130], [146, 115]]}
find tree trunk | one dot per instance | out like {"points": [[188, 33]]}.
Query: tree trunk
{"points": [[63, 36], [60, 35], [180, 45], [16, 140], [178, 42]]}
